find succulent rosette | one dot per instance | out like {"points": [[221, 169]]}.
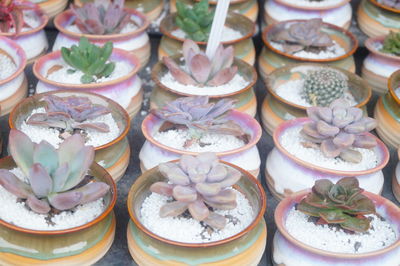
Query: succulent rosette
{"points": [[12, 15]]}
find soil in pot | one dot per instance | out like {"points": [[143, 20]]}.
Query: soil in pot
{"points": [[7, 65]]}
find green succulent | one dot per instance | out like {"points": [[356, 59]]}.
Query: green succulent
{"points": [[195, 22], [90, 59], [391, 44]]}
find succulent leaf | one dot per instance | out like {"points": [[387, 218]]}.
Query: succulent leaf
{"points": [[21, 149], [198, 210], [92, 191], [37, 205], [40, 180], [215, 220], [174, 208], [14, 185], [45, 154], [162, 188], [65, 200]]}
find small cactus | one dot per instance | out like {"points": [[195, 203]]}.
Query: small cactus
{"points": [[391, 44], [198, 184]]}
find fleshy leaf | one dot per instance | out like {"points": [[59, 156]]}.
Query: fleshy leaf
{"points": [[21, 149], [198, 210], [40, 180], [38, 206], [173, 208], [14, 185], [65, 200]]}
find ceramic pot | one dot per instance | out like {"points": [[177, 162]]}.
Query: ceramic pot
{"points": [[136, 42], [286, 173], [15, 87], [52, 7], [82, 245], [246, 157], [378, 66], [276, 109], [126, 90], [387, 113], [244, 248], [244, 46], [248, 8], [272, 58], [375, 19], [34, 41], [246, 101], [288, 251], [338, 14], [114, 155], [396, 179]]}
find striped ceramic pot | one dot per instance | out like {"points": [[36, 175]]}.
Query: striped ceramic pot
{"points": [[247, 157], [136, 41], [396, 179], [272, 58], [375, 19], [244, 46], [15, 87], [286, 173], [82, 245], [378, 66], [245, 97], [52, 7], [288, 251], [126, 90], [244, 248], [114, 155]]}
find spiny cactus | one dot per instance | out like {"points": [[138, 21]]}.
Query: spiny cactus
{"points": [[323, 86], [70, 113], [90, 59], [305, 35], [101, 17], [391, 44], [199, 69], [391, 3], [196, 184], [341, 203], [338, 129], [195, 22], [55, 177], [12, 14]]}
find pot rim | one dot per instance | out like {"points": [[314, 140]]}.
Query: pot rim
{"points": [[155, 75], [133, 60], [121, 110], [253, 141], [44, 19], [113, 192], [167, 33], [388, 8], [369, 44], [295, 197], [213, 2], [291, 66], [251, 226], [21, 53], [95, 37], [312, 8], [391, 86], [298, 121], [269, 28]]}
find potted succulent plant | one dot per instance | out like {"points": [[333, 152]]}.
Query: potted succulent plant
{"points": [[336, 12], [248, 8], [105, 21], [105, 70], [216, 207], [218, 77], [53, 199], [191, 125], [23, 22], [51, 7], [383, 60], [195, 24], [13, 82], [332, 142], [378, 17], [336, 224], [295, 87], [53, 116], [296, 41]]}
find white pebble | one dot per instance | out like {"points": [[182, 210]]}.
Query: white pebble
{"points": [[228, 34]]}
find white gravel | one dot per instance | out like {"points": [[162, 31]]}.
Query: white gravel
{"points": [[189, 230], [308, 3], [7, 66], [126, 29], [228, 34], [330, 52], [380, 235]]}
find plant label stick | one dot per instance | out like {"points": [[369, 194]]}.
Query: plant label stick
{"points": [[217, 27]]}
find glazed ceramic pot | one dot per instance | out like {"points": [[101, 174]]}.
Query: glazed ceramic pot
{"points": [[396, 179], [286, 173], [338, 13], [126, 90], [136, 42], [288, 251], [34, 41], [244, 248], [82, 245], [15, 87], [375, 19], [247, 157], [276, 109], [378, 66], [244, 46], [248, 8], [272, 58], [245, 97], [52, 7], [387, 113], [114, 155]]}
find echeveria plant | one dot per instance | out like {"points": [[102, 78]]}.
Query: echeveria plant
{"points": [[12, 14]]}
